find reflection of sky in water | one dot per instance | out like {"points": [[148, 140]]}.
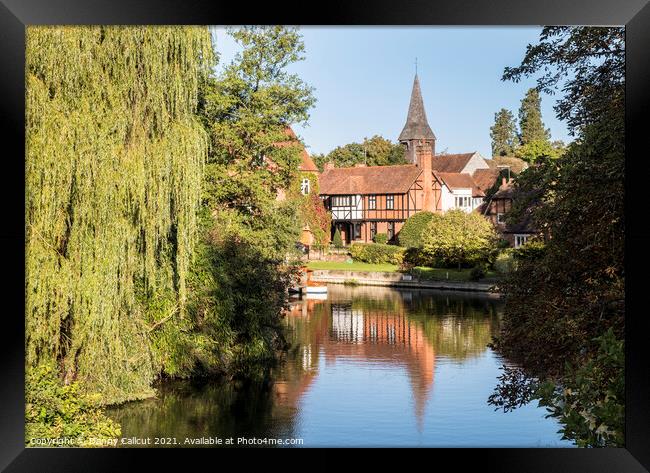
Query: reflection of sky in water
{"points": [[368, 367]]}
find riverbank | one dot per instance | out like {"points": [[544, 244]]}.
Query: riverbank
{"points": [[396, 279]]}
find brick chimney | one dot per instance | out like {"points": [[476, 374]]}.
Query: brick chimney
{"points": [[328, 165], [424, 160], [360, 165]]}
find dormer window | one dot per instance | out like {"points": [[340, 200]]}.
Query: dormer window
{"points": [[304, 186]]}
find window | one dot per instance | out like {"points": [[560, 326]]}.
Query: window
{"points": [[341, 201], [520, 240], [357, 231], [373, 230], [462, 202], [390, 202], [391, 230], [501, 218], [372, 202], [304, 186]]}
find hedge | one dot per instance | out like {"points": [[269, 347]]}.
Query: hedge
{"points": [[410, 236], [377, 253]]}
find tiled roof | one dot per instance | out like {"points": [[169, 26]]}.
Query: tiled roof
{"points": [[455, 180], [451, 162], [485, 178], [368, 180]]}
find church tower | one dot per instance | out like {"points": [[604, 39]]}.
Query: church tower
{"points": [[417, 131]]}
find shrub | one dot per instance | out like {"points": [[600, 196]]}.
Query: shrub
{"points": [[380, 238], [410, 236], [377, 253], [458, 238], [337, 241], [414, 257], [531, 250], [56, 411], [477, 272], [505, 262]]}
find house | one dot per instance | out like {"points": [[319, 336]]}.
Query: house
{"points": [[365, 201], [496, 208], [308, 175]]}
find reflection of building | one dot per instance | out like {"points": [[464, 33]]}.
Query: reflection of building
{"points": [[378, 335]]}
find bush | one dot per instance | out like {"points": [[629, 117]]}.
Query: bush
{"points": [[337, 241], [477, 272], [458, 238], [531, 250], [410, 236], [377, 253], [380, 238], [505, 262], [56, 411], [414, 257]]}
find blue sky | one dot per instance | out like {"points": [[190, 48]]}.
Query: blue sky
{"points": [[363, 77]]}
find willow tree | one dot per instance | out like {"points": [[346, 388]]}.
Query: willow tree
{"points": [[114, 167]]}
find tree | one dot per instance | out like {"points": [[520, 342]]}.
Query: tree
{"points": [[458, 238], [531, 127], [503, 133], [337, 241], [412, 232], [375, 151], [561, 304], [533, 150], [240, 276], [114, 172]]}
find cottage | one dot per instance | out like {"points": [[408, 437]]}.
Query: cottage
{"points": [[365, 201]]}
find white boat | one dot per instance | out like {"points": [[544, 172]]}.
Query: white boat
{"points": [[315, 289]]}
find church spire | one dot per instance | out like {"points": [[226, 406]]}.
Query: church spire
{"points": [[416, 127]]}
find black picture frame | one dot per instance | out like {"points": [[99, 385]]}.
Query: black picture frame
{"points": [[634, 14]]}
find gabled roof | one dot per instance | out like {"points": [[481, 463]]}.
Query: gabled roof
{"points": [[416, 127], [454, 180], [368, 180], [451, 162], [485, 178]]}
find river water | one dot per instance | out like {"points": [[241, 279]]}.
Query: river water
{"points": [[368, 366]]}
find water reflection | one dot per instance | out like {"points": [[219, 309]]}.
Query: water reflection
{"points": [[367, 366]]}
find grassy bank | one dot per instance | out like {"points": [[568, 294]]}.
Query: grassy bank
{"points": [[421, 272]]}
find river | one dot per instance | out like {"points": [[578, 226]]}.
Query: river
{"points": [[368, 366]]}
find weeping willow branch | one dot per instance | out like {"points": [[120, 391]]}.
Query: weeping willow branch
{"points": [[114, 167]]}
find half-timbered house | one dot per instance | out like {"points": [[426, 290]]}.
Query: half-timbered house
{"points": [[365, 201]]}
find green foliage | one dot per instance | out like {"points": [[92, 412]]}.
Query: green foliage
{"points": [[380, 238], [505, 262], [63, 413], [504, 133], [536, 149], [531, 127], [561, 302], [337, 241], [477, 273], [239, 277], [532, 250], [590, 404], [458, 238], [114, 170], [377, 253], [411, 234], [375, 151]]}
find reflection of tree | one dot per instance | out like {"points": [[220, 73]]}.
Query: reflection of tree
{"points": [[222, 409]]}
